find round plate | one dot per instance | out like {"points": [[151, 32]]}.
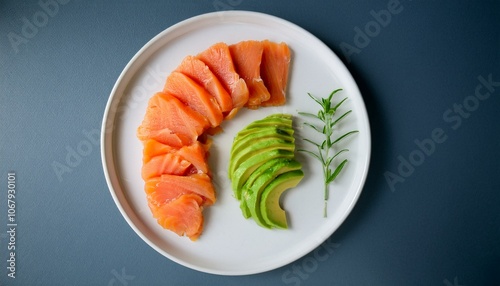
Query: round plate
{"points": [[230, 244]]}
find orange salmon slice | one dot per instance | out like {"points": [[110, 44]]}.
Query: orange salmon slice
{"points": [[171, 122], [247, 57], [160, 196], [201, 73], [194, 96], [172, 185], [274, 71], [152, 148], [197, 155], [218, 58], [169, 163], [182, 216]]}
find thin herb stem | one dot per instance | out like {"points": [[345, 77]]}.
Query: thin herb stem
{"points": [[326, 116]]}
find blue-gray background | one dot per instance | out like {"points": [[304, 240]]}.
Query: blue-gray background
{"points": [[418, 73]]}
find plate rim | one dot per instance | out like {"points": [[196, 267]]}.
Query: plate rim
{"points": [[107, 139]]}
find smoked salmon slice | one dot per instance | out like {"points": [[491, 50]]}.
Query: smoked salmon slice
{"points": [[199, 184], [169, 163], [274, 71], [194, 96], [247, 57], [197, 155], [175, 209], [201, 73], [160, 196], [218, 58], [152, 148], [169, 121], [158, 156], [182, 216]]}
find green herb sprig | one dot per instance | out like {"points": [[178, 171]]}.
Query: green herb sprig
{"points": [[327, 116]]}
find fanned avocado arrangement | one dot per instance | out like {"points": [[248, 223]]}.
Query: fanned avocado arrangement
{"points": [[262, 166]]}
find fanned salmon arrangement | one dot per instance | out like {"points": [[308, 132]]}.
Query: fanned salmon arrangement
{"points": [[197, 96]]}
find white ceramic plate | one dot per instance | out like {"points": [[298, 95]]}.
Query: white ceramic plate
{"points": [[230, 244]]}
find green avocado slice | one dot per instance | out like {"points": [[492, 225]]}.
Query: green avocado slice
{"points": [[259, 135], [279, 115], [252, 194], [253, 176], [271, 210], [276, 120], [257, 149], [246, 168]]}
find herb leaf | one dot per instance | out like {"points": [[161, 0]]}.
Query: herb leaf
{"points": [[337, 171]]}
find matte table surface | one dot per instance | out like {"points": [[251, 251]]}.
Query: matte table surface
{"points": [[428, 71]]}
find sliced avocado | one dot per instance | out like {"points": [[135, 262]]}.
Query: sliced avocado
{"points": [[253, 176], [252, 127], [267, 122], [279, 115], [260, 153], [276, 116], [279, 119], [246, 168], [252, 195], [260, 135], [254, 150], [270, 208], [244, 209], [284, 120]]}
